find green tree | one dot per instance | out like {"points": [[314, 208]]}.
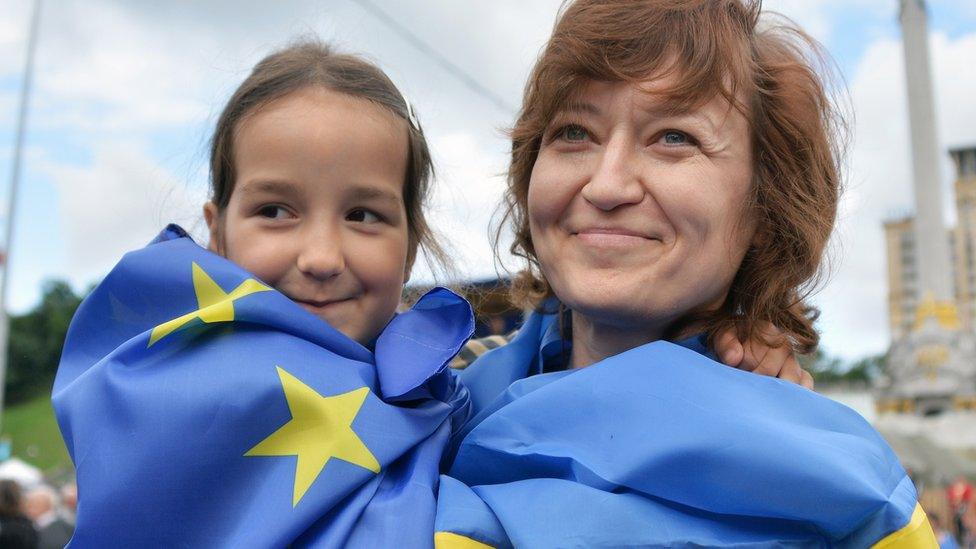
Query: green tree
{"points": [[868, 368], [823, 368], [827, 369], [36, 339]]}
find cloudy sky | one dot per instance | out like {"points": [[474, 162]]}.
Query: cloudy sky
{"points": [[126, 94]]}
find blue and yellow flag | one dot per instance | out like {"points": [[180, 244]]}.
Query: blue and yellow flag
{"points": [[202, 408], [662, 447]]}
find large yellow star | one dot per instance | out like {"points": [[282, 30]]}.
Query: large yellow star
{"points": [[320, 429], [213, 303]]}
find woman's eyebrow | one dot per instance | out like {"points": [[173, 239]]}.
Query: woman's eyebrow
{"points": [[577, 107], [701, 118]]}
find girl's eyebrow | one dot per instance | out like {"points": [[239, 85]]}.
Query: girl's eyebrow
{"points": [[270, 186], [374, 193]]}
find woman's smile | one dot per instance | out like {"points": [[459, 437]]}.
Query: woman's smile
{"points": [[613, 237]]}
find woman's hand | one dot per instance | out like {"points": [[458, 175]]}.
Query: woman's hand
{"points": [[758, 357]]}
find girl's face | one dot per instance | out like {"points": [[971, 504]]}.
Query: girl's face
{"points": [[317, 209], [639, 214]]}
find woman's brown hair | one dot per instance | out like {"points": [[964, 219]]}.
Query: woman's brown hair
{"points": [[773, 72], [310, 63]]}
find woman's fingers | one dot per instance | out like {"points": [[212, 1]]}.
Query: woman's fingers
{"points": [[758, 357], [790, 370], [728, 348], [806, 379], [774, 362]]}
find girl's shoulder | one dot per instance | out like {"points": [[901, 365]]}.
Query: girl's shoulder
{"points": [[474, 348]]}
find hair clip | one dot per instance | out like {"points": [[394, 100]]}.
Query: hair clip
{"points": [[411, 115]]}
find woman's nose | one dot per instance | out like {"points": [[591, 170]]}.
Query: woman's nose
{"points": [[615, 181], [321, 256]]}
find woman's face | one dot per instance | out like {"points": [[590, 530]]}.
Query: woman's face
{"points": [[639, 215]]}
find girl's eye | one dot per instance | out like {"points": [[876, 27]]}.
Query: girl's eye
{"points": [[574, 133], [273, 212], [361, 215], [675, 138]]}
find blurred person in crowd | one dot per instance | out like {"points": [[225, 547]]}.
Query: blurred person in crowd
{"points": [[943, 536], [960, 496], [16, 530], [42, 507], [69, 502]]}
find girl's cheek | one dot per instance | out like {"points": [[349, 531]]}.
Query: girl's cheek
{"points": [[264, 255]]}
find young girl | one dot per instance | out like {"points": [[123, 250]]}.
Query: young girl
{"points": [[200, 395], [319, 172]]}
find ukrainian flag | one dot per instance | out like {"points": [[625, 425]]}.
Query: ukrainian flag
{"points": [[661, 446]]}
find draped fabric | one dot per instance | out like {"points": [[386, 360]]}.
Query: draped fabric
{"points": [[204, 409], [662, 446]]}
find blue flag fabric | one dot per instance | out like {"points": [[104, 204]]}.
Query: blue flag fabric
{"points": [[204, 409], [661, 446]]}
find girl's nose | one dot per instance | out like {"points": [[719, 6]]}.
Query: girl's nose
{"points": [[615, 181], [322, 256]]}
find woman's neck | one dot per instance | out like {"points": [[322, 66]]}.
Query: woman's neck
{"points": [[594, 341]]}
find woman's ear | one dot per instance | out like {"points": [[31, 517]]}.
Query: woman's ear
{"points": [[760, 238], [212, 217]]}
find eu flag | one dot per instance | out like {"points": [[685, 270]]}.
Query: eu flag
{"points": [[202, 408]]}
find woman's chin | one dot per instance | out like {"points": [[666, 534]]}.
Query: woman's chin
{"points": [[618, 307]]}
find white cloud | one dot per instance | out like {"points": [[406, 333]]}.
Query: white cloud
{"points": [[100, 69], [8, 110], [117, 204], [813, 17], [819, 18], [13, 36], [466, 195]]}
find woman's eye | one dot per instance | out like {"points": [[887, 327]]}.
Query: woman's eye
{"points": [[273, 212], [360, 215], [574, 132], [674, 137]]}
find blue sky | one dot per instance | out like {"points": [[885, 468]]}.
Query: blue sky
{"points": [[126, 94]]}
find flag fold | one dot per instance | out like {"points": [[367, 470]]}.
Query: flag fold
{"points": [[661, 446]]}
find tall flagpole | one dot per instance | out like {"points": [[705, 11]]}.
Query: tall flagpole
{"points": [[12, 198]]}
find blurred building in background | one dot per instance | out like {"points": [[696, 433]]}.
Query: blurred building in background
{"points": [[931, 365], [903, 290], [925, 401]]}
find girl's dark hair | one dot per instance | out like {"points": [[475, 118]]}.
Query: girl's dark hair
{"points": [[773, 72], [311, 63]]}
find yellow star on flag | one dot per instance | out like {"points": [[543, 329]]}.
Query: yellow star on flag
{"points": [[320, 429], [213, 303]]}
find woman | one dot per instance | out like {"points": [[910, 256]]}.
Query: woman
{"points": [[675, 172]]}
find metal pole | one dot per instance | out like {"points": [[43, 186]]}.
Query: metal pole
{"points": [[12, 198]]}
